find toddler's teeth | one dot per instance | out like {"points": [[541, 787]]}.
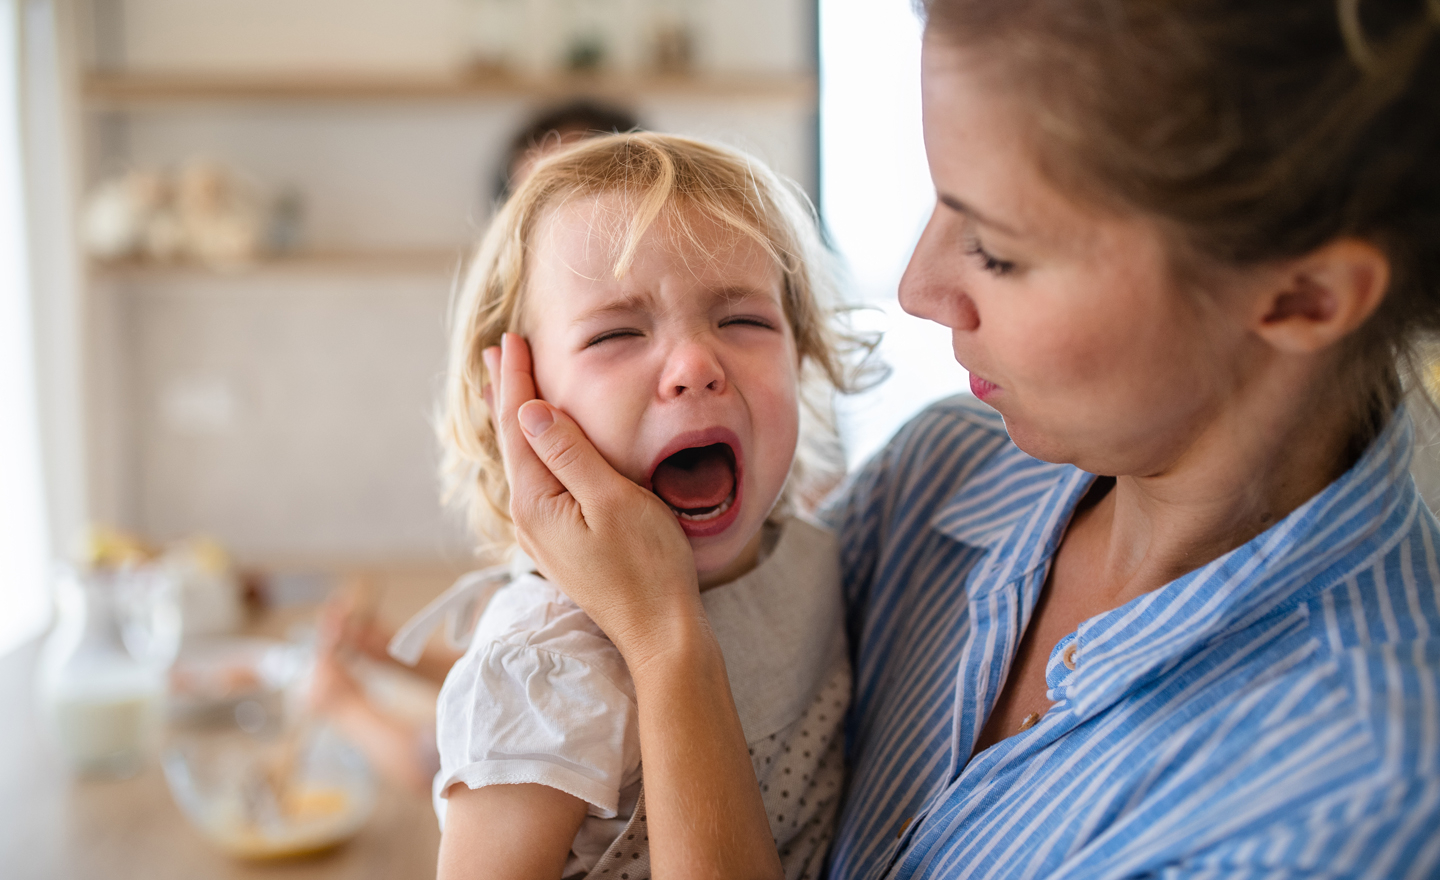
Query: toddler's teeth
{"points": [[705, 517]]}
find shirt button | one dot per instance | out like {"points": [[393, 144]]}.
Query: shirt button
{"points": [[1067, 656], [903, 825]]}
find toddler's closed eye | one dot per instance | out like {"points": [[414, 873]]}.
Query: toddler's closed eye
{"points": [[748, 321], [619, 333]]}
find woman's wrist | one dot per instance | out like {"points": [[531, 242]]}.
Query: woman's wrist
{"points": [[661, 641], [706, 817]]}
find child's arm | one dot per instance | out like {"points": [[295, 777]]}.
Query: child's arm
{"points": [[508, 832]]}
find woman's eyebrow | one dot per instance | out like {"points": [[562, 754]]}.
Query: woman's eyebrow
{"points": [[960, 207]]}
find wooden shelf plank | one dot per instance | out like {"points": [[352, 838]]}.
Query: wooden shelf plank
{"points": [[130, 89], [439, 262]]}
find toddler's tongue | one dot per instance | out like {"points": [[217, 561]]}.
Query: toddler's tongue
{"points": [[695, 479]]}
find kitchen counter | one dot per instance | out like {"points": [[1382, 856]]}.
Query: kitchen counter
{"points": [[57, 827]]}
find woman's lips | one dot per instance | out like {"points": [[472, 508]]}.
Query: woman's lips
{"points": [[982, 388]]}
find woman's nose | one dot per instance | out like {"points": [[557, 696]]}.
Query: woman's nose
{"points": [[692, 366], [931, 287]]}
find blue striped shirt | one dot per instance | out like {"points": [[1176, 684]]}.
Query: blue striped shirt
{"points": [[1275, 712]]}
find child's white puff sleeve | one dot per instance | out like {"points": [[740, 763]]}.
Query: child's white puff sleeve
{"points": [[540, 696]]}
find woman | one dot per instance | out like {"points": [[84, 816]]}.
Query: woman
{"points": [[1190, 247]]}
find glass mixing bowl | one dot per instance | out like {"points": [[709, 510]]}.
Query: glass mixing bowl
{"points": [[259, 791]]}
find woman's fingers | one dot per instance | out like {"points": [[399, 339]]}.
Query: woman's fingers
{"points": [[553, 457], [568, 455], [616, 549], [511, 386]]}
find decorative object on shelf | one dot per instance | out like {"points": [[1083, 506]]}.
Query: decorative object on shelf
{"points": [[585, 54], [589, 40], [672, 37], [496, 30], [221, 216], [206, 213], [286, 231], [118, 214]]}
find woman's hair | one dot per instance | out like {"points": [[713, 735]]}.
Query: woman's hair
{"points": [[686, 181], [1254, 130]]}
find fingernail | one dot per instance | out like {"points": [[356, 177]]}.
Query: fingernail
{"points": [[535, 418]]}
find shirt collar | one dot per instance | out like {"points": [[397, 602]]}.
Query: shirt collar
{"points": [[1325, 540], [1017, 508]]}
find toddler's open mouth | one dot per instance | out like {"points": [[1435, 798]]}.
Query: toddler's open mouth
{"points": [[697, 483]]}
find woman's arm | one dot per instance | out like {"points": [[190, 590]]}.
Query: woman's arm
{"points": [[622, 557], [508, 832]]}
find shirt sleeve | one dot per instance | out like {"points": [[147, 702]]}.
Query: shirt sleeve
{"points": [[546, 709]]}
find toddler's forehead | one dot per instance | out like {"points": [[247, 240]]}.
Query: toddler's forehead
{"points": [[584, 254], [603, 226]]}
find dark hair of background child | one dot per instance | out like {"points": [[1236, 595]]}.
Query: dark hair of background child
{"points": [[584, 117]]}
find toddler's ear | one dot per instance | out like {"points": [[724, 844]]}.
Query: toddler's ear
{"points": [[1317, 300]]}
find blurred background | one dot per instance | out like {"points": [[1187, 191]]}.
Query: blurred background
{"points": [[229, 233], [242, 224]]}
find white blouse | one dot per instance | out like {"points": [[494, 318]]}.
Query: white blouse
{"points": [[542, 696]]}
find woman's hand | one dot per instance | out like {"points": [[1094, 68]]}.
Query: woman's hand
{"points": [[617, 551], [613, 547]]}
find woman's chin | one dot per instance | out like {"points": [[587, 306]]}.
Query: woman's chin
{"points": [[1039, 444]]}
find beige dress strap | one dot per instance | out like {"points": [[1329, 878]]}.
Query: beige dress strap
{"points": [[628, 858]]}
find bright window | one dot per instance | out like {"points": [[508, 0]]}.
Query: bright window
{"points": [[875, 193], [23, 537]]}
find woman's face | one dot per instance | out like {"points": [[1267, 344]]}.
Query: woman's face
{"points": [[1065, 316]]}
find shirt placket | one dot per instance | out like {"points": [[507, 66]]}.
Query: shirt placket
{"points": [[994, 618], [965, 789]]}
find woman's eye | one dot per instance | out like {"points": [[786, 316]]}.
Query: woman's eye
{"points": [[612, 334], [988, 262]]}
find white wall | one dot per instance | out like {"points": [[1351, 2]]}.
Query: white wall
{"points": [[291, 417]]}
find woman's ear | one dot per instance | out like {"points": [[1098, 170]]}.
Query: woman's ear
{"points": [[1320, 298]]}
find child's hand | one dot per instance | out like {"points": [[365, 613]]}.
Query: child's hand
{"points": [[347, 619], [333, 690], [332, 687], [613, 547]]}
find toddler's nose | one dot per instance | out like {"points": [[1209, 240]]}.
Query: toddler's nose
{"points": [[692, 367]]}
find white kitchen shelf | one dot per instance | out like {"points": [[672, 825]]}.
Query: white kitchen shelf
{"points": [[128, 90], [438, 262]]}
